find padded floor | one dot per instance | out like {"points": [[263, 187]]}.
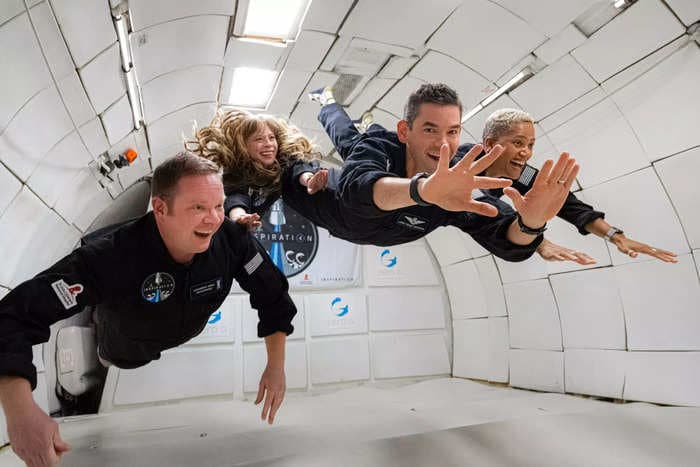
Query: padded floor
{"points": [[442, 422]]}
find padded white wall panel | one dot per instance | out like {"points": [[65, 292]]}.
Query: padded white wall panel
{"points": [[533, 316], [562, 233], [86, 25], [51, 39], [372, 92], [537, 369], [628, 202], [663, 95], [467, 294], [17, 225], [94, 137], [498, 350], [59, 167], [447, 245], [306, 112], [639, 30], [289, 89], [602, 142], [76, 100], [395, 100], [104, 79], [493, 288], [76, 204], [222, 324], [411, 23], [565, 41], [179, 374], [200, 40], [309, 50], [596, 372], [25, 72], [10, 187], [590, 308], [340, 313], [406, 309], [41, 393], [677, 174], [532, 268], [572, 110], [9, 9], [687, 10], [326, 16], [255, 360], [250, 321], [548, 16], [553, 88], [339, 359], [661, 304], [663, 377], [145, 13], [396, 355], [408, 264], [21, 145], [516, 37], [397, 67], [471, 348], [172, 91], [435, 67], [167, 135], [118, 120]]}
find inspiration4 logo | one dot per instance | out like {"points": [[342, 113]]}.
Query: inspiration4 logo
{"points": [[338, 309], [386, 258]]}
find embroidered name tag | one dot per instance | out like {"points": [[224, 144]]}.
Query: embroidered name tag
{"points": [[206, 288], [412, 222]]}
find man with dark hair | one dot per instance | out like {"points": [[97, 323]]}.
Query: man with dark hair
{"points": [[397, 187], [514, 130], [155, 282]]}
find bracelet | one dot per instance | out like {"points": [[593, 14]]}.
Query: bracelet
{"points": [[529, 230], [413, 189], [612, 231]]}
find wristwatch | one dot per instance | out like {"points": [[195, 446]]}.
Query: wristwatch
{"points": [[413, 189], [612, 231], [529, 230]]}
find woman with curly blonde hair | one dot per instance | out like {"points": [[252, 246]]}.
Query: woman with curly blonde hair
{"points": [[255, 151]]}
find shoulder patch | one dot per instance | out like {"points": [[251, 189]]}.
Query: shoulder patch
{"points": [[253, 264], [67, 294]]}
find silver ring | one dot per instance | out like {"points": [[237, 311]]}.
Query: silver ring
{"points": [[561, 181]]}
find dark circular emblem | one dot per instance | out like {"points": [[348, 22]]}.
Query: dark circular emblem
{"points": [[290, 239], [158, 287]]}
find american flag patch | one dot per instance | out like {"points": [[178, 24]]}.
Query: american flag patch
{"points": [[528, 174], [253, 264]]}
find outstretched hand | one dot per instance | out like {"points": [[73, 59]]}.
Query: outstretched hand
{"points": [[550, 251], [317, 181], [548, 193], [251, 221], [451, 187], [632, 248], [272, 388]]}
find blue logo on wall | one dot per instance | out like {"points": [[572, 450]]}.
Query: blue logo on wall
{"points": [[214, 318], [388, 260], [337, 309]]}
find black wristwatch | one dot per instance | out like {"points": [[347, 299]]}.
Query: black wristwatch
{"points": [[413, 189], [529, 230]]}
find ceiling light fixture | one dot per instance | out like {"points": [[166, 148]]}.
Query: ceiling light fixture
{"points": [[512, 83], [252, 87], [270, 19]]}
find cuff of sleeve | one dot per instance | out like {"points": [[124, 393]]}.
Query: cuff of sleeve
{"points": [[266, 330], [588, 219], [18, 365]]}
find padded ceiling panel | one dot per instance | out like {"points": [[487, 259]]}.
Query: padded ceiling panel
{"points": [[87, 26], [326, 15], [687, 10], [178, 89], [309, 50], [167, 135], [289, 89], [24, 70], [553, 88], [556, 47], [435, 67], [372, 92], [104, 79], [547, 16], [638, 31], [475, 125], [118, 120], [474, 23], [395, 100], [93, 134], [400, 22], [10, 187], [52, 42], [199, 40], [76, 100], [9, 9], [146, 13], [21, 145]]}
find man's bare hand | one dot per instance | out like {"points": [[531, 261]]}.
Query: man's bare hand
{"points": [[451, 187]]}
